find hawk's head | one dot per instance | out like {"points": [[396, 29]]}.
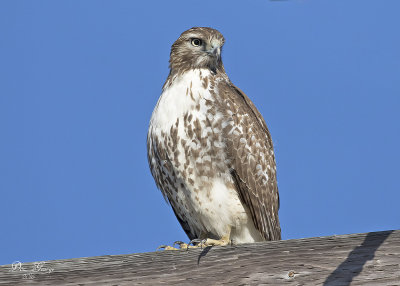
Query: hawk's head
{"points": [[198, 47]]}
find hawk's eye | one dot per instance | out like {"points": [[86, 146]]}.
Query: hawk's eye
{"points": [[196, 42]]}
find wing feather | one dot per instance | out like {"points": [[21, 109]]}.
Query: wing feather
{"points": [[253, 168]]}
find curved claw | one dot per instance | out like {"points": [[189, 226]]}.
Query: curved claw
{"points": [[180, 243], [197, 241], [161, 247]]}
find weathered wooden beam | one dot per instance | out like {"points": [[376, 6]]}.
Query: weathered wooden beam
{"points": [[355, 259]]}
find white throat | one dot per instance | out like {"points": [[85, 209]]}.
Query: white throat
{"points": [[179, 97]]}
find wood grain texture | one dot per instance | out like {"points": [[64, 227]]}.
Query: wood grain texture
{"points": [[355, 259]]}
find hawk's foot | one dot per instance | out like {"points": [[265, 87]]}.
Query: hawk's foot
{"points": [[181, 244], [166, 247], [209, 242]]}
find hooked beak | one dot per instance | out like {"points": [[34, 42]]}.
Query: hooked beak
{"points": [[214, 51]]}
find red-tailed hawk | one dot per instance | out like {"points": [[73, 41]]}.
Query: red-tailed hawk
{"points": [[209, 149]]}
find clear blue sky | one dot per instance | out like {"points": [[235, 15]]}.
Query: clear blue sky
{"points": [[79, 80]]}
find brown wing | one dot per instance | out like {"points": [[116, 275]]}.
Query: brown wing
{"points": [[253, 169]]}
